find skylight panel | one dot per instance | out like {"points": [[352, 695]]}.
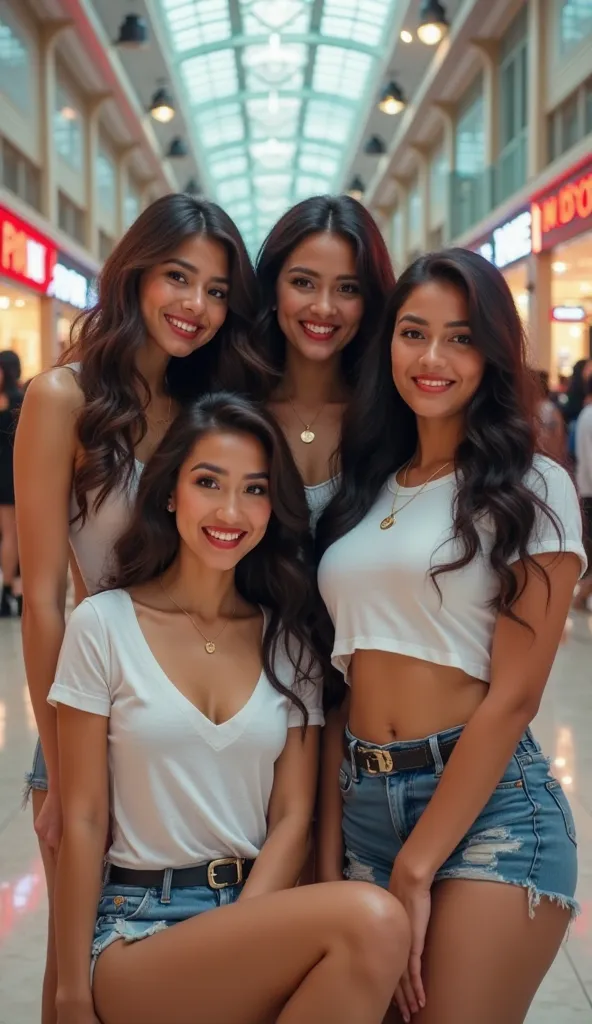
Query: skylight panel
{"points": [[327, 121], [194, 23], [235, 188], [211, 76], [341, 71], [361, 20], [219, 125], [260, 16], [312, 162]]}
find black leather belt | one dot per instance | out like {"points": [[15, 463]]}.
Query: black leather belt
{"points": [[380, 761], [218, 874]]}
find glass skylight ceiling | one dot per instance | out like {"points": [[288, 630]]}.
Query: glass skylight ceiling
{"points": [[277, 89]]}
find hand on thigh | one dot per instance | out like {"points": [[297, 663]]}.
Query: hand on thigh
{"points": [[485, 957]]}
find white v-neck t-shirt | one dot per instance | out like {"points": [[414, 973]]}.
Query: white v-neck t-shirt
{"points": [[183, 791]]}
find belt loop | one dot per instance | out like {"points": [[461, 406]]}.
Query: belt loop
{"points": [[351, 746], [106, 873], [437, 756], [165, 896]]}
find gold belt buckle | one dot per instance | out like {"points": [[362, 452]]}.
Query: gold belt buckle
{"points": [[383, 757], [215, 864]]}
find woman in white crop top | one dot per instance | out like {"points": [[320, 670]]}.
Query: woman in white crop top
{"points": [[179, 278], [324, 274], [189, 701], [448, 578]]}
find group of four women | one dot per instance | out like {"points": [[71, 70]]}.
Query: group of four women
{"points": [[299, 492]]}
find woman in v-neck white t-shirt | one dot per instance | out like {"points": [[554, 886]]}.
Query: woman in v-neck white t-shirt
{"points": [[189, 705]]}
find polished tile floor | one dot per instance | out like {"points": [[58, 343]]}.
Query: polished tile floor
{"points": [[564, 727]]}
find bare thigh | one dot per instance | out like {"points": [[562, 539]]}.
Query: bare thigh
{"points": [[241, 964], [485, 957]]}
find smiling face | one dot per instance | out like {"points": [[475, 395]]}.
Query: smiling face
{"points": [[184, 299], [319, 304], [221, 500], [436, 367]]}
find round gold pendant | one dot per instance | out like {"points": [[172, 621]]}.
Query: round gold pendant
{"points": [[307, 436], [388, 522], [211, 647]]}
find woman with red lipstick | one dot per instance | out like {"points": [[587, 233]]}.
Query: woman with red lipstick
{"points": [[324, 275], [174, 305], [190, 693], [448, 571]]}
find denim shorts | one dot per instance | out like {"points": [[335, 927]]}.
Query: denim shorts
{"points": [[130, 913], [524, 836], [37, 777]]}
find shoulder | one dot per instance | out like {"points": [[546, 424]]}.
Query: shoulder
{"points": [[98, 612], [57, 389], [547, 477]]}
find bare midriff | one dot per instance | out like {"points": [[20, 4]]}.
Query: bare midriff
{"points": [[394, 697]]}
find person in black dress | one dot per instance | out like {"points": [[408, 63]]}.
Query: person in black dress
{"points": [[10, 402]]}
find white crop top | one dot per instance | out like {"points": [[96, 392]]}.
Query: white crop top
{"points": [[93, 541], [183, 790], [318, 497], [377, 587]]}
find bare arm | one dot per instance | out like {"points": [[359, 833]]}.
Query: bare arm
{"points": [[520, 665], [329, 861], [44, 459], [291, 806], [85, 804]]}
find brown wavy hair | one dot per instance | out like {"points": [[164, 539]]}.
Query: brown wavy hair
{"points": [[278, 573], [107, 337]]}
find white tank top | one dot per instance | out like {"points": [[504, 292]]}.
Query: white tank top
{"points": [[93, 541], [318, 497]]}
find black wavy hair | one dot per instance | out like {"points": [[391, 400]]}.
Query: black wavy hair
{"points": [[278, 573], [341, 215], [108, 336], [499, 444]]}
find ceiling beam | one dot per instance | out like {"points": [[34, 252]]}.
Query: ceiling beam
{"points": [[288, 38]]}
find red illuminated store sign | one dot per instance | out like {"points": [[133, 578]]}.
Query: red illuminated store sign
{"points": [[26, 256], [562, 212]]}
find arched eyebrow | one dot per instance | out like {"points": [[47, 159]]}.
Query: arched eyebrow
{"points": [[211, 468]]}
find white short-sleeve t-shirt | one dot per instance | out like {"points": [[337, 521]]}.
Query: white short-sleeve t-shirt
{"points": [[183, 790], [377, 584]]}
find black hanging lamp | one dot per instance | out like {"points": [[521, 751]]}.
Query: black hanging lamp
{"points": [[433, 23], [133, 33], [177, 148], [162, 106], [375, 146], [356, 188], [192, 188], [392, 99]]}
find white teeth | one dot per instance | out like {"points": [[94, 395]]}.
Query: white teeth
{"points": [[317, 329], [434, 383], [182, 325], [220, 535]]}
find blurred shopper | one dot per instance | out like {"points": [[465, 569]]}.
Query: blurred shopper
{"points": [[574, 399], [449, 577], [584, 482], [324, 274], [202, 655], [551, 433], [10, 403], [178, 279]]}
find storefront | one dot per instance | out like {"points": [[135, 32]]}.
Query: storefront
{"points": [[545, 252], [42, 290], [27, 261]]}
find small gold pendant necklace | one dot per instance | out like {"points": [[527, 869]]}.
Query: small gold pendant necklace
{"points": [[391, 519], [308, 435], [209, 646]]}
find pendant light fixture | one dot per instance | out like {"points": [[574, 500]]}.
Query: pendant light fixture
{"points": [[356, 188], [177, 148], [392, 100], [433, 24], [133, 33], [192, 188], [162, 106], [375, 146]]}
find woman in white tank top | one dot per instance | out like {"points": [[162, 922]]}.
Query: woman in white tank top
{"points": [[178, 279], [189, 701], [324, 274], [448, 578]]}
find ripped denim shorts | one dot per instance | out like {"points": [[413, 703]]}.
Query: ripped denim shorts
{"points": [[37, 777], [131, 913], [524, 836]]}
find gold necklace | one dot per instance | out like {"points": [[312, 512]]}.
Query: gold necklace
{"points": [[162, 420], [307, 435], [391, 519], [210, 646]]}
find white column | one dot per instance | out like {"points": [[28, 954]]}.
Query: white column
{"points": [[47, 104], [93, 117], [423, 175], [537, 66], [540, 277], [122, 179], [447, 113]]}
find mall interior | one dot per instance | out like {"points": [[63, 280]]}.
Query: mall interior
{"points": [[461, 122]]}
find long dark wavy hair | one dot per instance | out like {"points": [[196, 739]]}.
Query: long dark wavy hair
{"points": [[278, 573], [499, 443], [108, 336], [340, 215]]}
